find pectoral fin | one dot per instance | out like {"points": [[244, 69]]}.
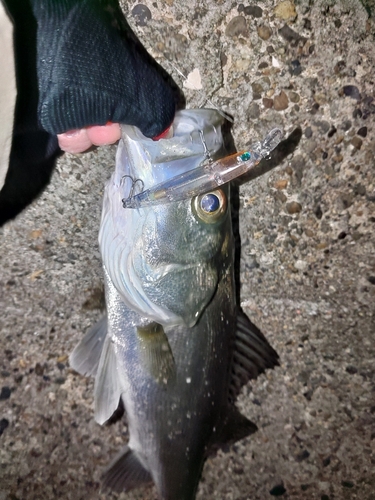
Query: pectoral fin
{"points": [[85, 357], [125, 472], [155, 353]]}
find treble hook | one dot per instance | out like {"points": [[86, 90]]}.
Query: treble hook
{"points": [[132, 188], [205, 148]]}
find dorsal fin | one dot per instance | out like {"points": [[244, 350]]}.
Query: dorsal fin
{"points": [[125, 472], [236, 426], [251, 356]]}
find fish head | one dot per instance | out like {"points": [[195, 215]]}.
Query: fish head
{"points": [[183, 251], [166, 260]]}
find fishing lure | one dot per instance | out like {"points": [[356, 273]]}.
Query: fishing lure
{"points": [[206, 177]]}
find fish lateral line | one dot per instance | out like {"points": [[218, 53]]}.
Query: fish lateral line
{"points": [[208, 176]]}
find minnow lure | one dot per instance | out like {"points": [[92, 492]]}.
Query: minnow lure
{"points": [[207, 176]]}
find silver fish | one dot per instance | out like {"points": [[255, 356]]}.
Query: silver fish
{"points": [[174, 346]]}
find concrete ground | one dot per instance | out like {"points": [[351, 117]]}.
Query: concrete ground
{"points": [[307, 266]]}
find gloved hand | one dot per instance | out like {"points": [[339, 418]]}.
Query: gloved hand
{"points": [[91, 71], [74, 69]]}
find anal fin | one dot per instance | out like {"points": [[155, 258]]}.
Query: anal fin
{"points": [[155, 353], [86, 355], [125, 472]]}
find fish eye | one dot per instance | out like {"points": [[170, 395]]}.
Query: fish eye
{"points": [[209, 203], [210, 207]]}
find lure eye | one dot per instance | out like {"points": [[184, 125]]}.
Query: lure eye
{"points": [[210, 207]]}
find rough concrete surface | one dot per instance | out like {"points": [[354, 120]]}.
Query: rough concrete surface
{"points": [[307, 266]]}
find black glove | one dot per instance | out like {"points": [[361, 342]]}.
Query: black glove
{"points": [[91, 72], [74, 68]]}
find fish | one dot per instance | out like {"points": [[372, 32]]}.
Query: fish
{"points": [[174, 347]]}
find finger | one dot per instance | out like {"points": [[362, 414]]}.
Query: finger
{"points": [[104, 134], [74, 141]]}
